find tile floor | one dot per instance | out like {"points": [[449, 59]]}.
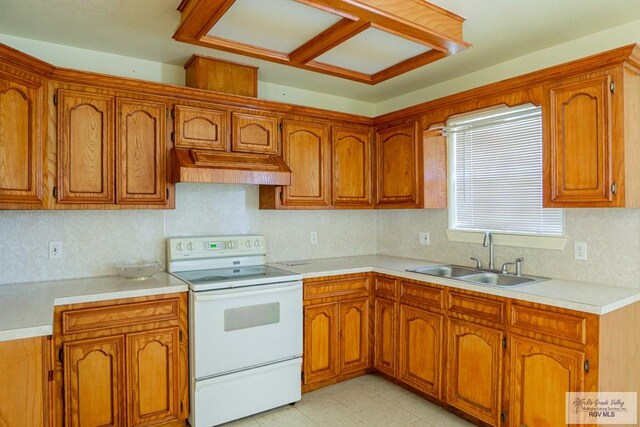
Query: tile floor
{"points": [[364, 401]]}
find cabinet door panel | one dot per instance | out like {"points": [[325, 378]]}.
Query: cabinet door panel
{"points": [[421, 337], [474, 370], [85, 148], [23, 385], [398, 172], [581, 141], [354, 335], [152, 376], [539, 376], [142, 152], [351, 151], [254, 133], [204, 128], [385, 333], [320, 342], [94, 382], [306, 150], [20, 142]]}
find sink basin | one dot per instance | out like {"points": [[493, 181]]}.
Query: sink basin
{"points": [[476, 275], [498, 279], [444, 270]]}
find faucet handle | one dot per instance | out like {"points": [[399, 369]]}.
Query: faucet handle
{"points": [[504, 267], [519, 266], [478, 262]]}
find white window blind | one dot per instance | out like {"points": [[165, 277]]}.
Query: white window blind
{"points": [[496, 170]]}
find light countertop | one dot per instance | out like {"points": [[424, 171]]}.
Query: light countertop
{"points": [[26, 309], [581, 296]]}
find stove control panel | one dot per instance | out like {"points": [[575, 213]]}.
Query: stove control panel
{"points": [[215, 246]]}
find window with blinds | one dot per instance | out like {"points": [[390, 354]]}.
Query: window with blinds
{"points": [[496, 173]]}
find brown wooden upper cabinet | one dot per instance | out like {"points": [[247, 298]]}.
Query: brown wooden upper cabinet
{"points": [[85, 147], [110, 149], [352, 164], [306, 149], [21, 139], [399, 166], [254, 133], [590, 137], [201, 126]]}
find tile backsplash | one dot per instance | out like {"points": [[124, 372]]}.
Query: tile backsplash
{"points": [[93, 240]]}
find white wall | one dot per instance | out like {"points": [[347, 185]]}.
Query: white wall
{"points": [[93, 240], [575, 49]]}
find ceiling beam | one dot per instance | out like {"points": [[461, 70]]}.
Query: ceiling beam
{"points": [[407, 65], [327, 40]]}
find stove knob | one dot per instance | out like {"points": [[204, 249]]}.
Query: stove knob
{"points": [[248, 243], [231, 244], [179, 247], [257, 243], [190, 246]]}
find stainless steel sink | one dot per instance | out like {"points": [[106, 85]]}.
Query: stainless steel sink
{"points": [[444, 270], [498, 279], [476, 275]]}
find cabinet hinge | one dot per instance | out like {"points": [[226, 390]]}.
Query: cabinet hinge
{"points": [[181, 407], [55, 99], [302, 375], [612, 86], [173, 113], [281, 196], [504, 342], [60, 355], [503, 417], [280, 126], [180, 335], [55, 193], [50, 377], [173, 137], [614, 188], [168, 199], [586, 365]]}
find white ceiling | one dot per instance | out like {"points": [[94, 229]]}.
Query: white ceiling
{"points": [[498, 29]]}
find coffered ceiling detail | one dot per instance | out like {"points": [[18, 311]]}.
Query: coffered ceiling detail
{"points": [[368, 41]]}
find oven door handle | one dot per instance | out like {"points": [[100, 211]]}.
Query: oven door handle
{"points": [[247, 291]]}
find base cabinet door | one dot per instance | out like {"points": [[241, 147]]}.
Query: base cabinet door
{"points": [[354, 335], [94, 378], [385, 333], [474, 370], [320, 342], [421, 346], [152, 376], [539, 376], [23, 382]]}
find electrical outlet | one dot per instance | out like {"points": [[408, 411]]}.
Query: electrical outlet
{"points": [[314, 237], [425, 238], [55, 249], [580, 251]]}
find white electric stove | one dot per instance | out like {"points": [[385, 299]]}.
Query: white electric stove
{"points": [[245, 327]]}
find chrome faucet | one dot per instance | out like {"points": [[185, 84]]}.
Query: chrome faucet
{"points": [[488, 242]]}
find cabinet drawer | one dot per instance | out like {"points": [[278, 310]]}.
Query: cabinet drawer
{"points": [[420, 295], [352, 286], [89, 319], [536, 322], [469, 307], [386, 288]]}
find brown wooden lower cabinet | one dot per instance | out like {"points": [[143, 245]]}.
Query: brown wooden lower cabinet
{"points": [[421, 349], [497, 361], [474, 370], [122, 362], [23, 383]]}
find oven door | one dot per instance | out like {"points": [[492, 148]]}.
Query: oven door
{"points": [[235, 329]]}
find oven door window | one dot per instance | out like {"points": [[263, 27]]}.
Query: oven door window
{"points": [[251, 316]]}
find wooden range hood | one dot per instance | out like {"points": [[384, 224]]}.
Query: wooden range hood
{"points": [[228, 168]]}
